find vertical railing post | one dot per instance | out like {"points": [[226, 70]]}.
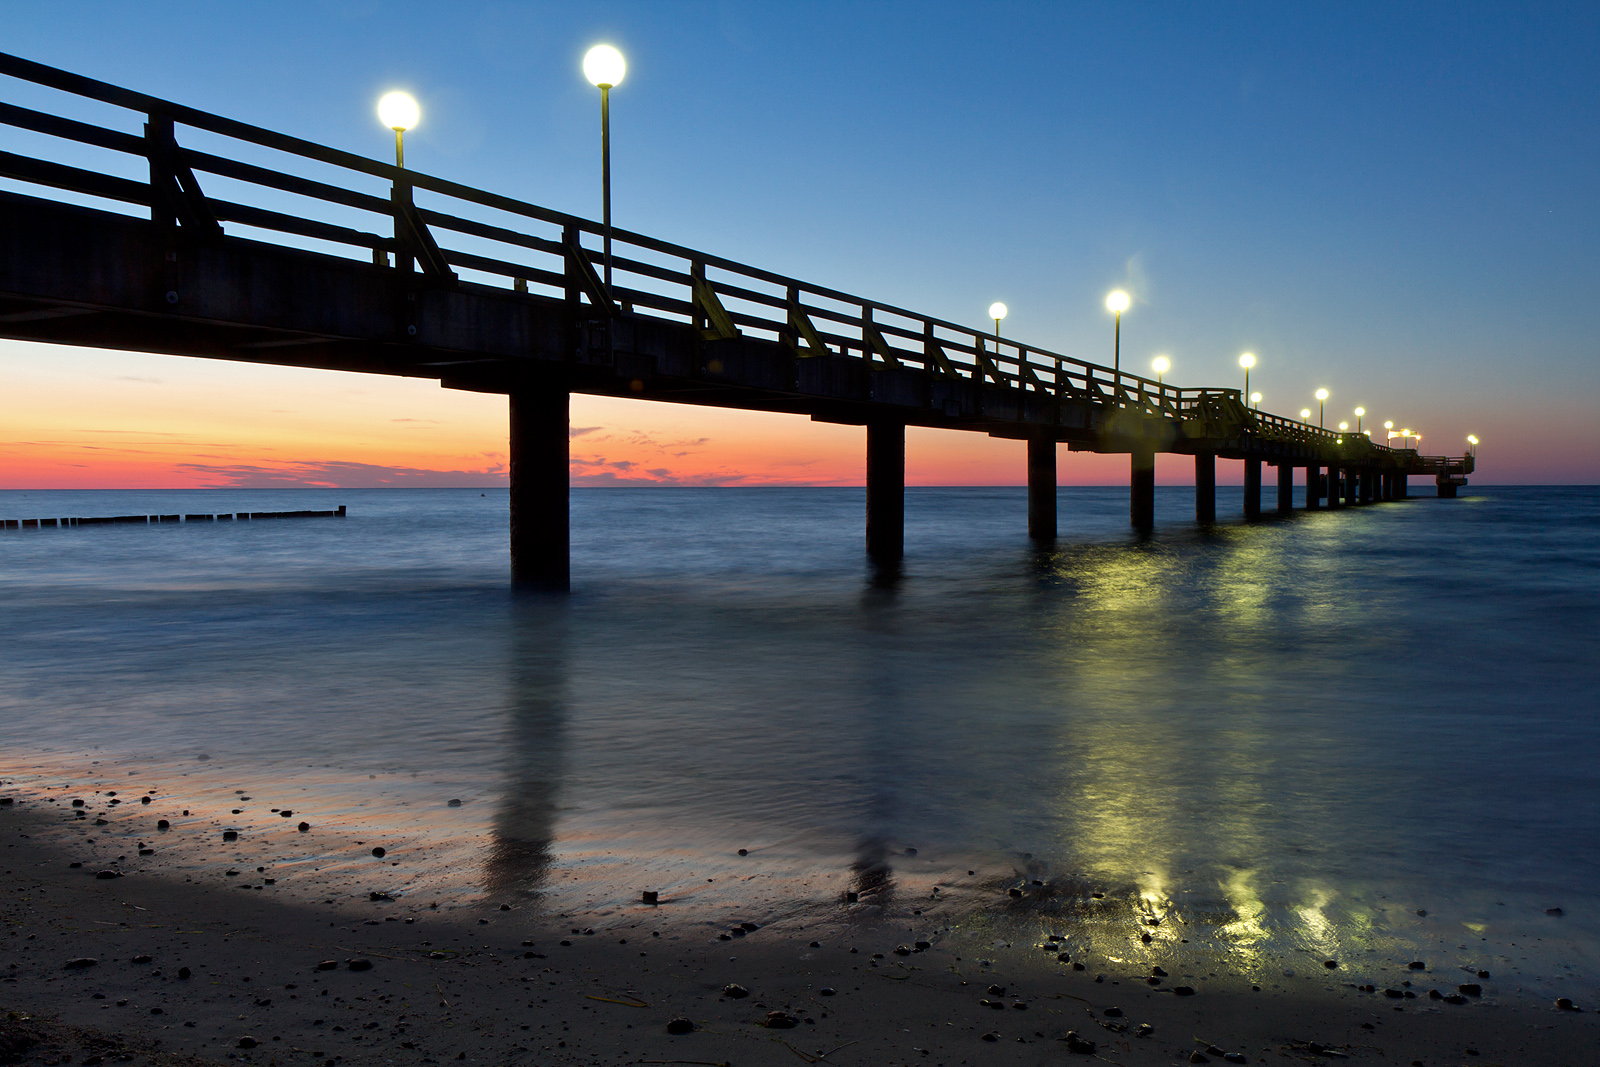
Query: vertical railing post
{"points": [[158, 139]]}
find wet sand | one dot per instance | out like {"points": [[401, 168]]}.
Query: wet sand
{"points": [[205, 967]]}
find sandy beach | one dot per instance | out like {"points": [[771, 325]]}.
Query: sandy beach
{"points": [[116, 958]]}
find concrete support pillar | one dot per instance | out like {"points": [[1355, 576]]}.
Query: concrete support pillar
{"points": [[540, 516], [1402, 486], [1252, 488], [1352, 486], [1142, 490], [1042, 488], [1368, 476], [1313, 487], [886, 490], [1334, 495], [1285, 488], [1205, 488]]}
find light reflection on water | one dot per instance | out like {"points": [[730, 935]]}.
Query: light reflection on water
{"points": [[1282, 740]]}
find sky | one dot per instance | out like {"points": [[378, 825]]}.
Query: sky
{"points": [[1396, 202]]}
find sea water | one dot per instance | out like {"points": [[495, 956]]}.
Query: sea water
{"points": [[1367, 733]]}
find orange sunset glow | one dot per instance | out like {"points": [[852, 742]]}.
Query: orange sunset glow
{"points": [[92, 419]]}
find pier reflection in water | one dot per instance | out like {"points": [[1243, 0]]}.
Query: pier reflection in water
{"points": [[1241, 732]]}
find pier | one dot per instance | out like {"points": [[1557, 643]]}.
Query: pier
{"points": [[146, 520], [330, 260]]}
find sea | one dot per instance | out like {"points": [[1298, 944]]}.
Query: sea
{"points": [[1360, 735]]}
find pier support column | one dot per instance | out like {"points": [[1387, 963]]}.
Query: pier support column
{"points": [[1313, 487], [1368, 475], [1205, 488], [1285, 488], [1352, 486], [886, 490], [540, 516], [1402, 486], [1142, 490], [1252, 488], [1042, 488], [1334, 496]]}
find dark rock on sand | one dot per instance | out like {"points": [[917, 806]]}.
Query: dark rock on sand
{"points": [[1112, 1013], [359, 964], [80, 963], [1081, 1045], [1472, 989], [674, 1026], [328, 965], [735, 991], [108, 875], [380, 852], [246, 1042], [141, 958], [303, 827], [1183, 991], [1330, 964], [650, 896], [780, 1020]]}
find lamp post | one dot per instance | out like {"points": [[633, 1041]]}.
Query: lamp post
{"points": [[997, 311], [1343, 426], [604, 66], [1472, 444], [1305, 414], [399, 112], [1117, 302], [1388, 431], [1161, 364], [1359, 413], [1247, 361], [1322, 400], [1255, 401]]}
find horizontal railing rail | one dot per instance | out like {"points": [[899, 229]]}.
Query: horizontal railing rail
{"points": [[427, 223]]}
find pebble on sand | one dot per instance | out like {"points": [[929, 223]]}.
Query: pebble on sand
{"points": [[379, 852], [780, 1020], [735, 991], [650, 896], [680, 1026], [80, 963], [359, 964], [246, 1042], [303, 827]]}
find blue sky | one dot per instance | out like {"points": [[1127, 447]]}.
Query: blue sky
{"points": [[1398, 202]]}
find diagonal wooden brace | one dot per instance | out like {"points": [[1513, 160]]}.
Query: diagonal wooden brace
{"points": [[721, 326]]}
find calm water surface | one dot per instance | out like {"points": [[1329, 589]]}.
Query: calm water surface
{"points": [[1286, 738]]}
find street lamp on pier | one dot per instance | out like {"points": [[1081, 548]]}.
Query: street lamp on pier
{"points": [[1161, 364], [604, 66], [1472, 444], [1117, 302], [1359, 413], [1255, 401], [997, 311], [399, 112], [1305, 414], [1247, 361], [1322, 400]]}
